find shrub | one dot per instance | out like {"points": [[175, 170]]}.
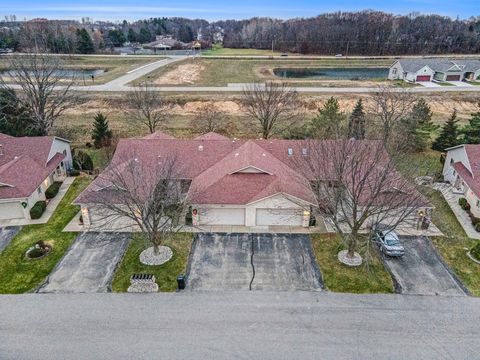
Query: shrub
{"points": [[463, 203], [38, 209], [475, 252], [82, 161], [52, 190], [74, 172], [477, 226]]}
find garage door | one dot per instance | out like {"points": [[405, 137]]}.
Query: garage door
{"points": [[293, 217], [424, 78], [222, 216], [453, 77], [12, 210]]}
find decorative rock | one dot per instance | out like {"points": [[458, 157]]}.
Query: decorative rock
{"points": [[140, 287], [356, 260], [148, 257]]}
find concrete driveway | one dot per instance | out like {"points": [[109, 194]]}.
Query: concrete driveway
{"points": [[89, 264], [253, 262], [421, 271], [7, 234]]}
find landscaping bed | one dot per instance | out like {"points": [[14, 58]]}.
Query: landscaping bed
{"points": [[17, 273], [166, 274], [341, 278]]}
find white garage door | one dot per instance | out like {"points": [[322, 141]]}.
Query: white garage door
{"points": [[222, 216], [293, 217], [12, 210]]}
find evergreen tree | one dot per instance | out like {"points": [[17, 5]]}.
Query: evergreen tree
{"points": [[101, 133], [116, 37], [145, 35], [185, 33], [471, 132], [132, 35], [14, 118], [449, 135], [356, 123], [419, 126], [328, 123], [85, 43]]}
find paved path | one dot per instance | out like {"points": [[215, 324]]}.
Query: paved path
{"points": [[253, 262], [7, 234], [420, 271], [245, 325], [89, 264]]}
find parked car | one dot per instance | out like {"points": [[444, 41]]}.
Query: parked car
{"points": [[388, 242], [284, 54]]}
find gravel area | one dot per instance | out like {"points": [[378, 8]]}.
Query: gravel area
{"points": [[148, 257]]}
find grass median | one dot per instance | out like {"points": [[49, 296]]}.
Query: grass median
{"points": [[166, 274], [19, 275], [342, 278]]}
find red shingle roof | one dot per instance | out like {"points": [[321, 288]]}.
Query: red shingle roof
{"points": [[471, 178], [23, 164]]}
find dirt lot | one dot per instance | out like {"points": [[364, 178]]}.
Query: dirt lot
{"points": [[183, 74]]}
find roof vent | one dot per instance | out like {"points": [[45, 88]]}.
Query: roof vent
{"points": [[236, 154], [304, 152], [290, 151], [264, 154], [200, 147], [1, 150], [136, 159]]}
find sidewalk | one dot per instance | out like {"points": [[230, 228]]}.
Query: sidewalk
{"points": [[460, 214], [51, 207]]}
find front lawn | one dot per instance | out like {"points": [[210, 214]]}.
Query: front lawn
{"points": [[342, 278], [18, 275], [453, 245], [166, 274]]}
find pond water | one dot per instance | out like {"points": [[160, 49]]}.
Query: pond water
{"points": [[331, 73], [67, 73]]}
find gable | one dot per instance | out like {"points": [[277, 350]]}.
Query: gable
{"points": [[250, 170]]}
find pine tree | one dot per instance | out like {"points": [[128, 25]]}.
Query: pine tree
{"points": [[356, 124], [449, 135], [328, 123], [419, 126], [85, 43], [471, 132], [101, 133]]}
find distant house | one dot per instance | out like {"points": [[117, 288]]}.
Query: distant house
{"points": [[462, 170], [28, 166], [418, 70]]}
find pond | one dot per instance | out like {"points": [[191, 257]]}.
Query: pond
{"points": [[67, 73], [331, 73]]}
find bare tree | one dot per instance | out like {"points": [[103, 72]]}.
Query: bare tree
{"points": [[148, 107], [209, 119], [356, 185], [273, 105], [44, 87], [149, 193], [390, 106]]}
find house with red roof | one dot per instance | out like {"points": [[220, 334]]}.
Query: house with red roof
{"points": [[28, 166], [254, 182], [462, 170]]}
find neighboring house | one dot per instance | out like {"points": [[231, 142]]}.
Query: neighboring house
{"points": [[231, 182], [462, 170], [435, 69], [28, 166]]}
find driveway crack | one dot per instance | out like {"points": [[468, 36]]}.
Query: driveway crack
{"points": [[251, 261]]}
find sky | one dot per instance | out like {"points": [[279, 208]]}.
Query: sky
{"points": [[117, 10]]}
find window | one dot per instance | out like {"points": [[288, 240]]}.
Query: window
{"points": [[478, 203], [290, 151], [451, 161], [304, 152], [65, 152], [394, 71], [454, 173], [39, 190]]}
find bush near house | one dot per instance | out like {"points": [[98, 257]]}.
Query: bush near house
{"points": [[475, 252], [38, 209], [52, 190], [463, 203]]}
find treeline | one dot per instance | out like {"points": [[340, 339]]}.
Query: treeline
{"points": [[355, 33], [359, 33]]}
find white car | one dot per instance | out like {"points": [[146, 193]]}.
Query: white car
{"points": [[388, 242]]}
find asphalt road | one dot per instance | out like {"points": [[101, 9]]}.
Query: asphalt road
{"points": [[259, 325], [420, 271], [253, 262], [89, 264]]}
